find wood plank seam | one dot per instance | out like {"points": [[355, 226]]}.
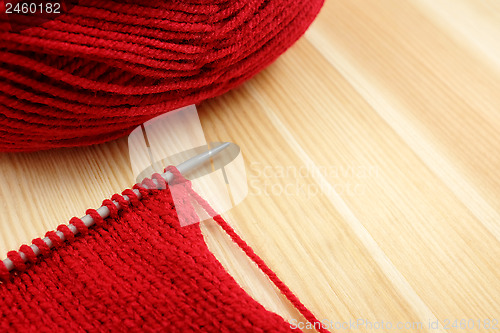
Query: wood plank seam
{"points": [[378, 255], [434, 159]]}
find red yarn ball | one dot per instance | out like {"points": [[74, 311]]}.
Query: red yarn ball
{"points": [[101, 68]]}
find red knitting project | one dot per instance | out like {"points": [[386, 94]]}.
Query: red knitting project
{"points": [[136, 270], [103, 67]]}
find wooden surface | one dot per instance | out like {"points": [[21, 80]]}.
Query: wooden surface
{"points": [[372, 150]]}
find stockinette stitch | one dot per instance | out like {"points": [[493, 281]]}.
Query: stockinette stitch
{"points": [[137, 270]]}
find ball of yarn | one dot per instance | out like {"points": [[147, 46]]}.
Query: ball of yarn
{"points": [[101, 68]]}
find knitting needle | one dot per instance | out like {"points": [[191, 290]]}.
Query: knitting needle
{"points": [[104, 212]]}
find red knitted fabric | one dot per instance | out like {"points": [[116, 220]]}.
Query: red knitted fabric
{"points": [[137, 270], [103, 67]]}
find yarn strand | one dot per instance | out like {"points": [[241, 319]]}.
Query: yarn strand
{"points": [[251, 254]]}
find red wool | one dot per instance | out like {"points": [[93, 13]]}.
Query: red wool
{"points": [[137, 270], [103, 67]]}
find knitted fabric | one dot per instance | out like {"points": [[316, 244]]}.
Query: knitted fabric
{"points": [[103, 67], [137, 270]]}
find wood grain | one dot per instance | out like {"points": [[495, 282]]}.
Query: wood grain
{"points": [[372, 149]]}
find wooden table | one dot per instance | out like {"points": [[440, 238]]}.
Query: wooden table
{"points": [[386, 118]]}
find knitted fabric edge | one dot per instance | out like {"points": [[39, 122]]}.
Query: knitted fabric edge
{"points": [[16, 283]]}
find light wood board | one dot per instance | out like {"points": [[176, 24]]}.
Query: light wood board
{"points": [[372, 151]]}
